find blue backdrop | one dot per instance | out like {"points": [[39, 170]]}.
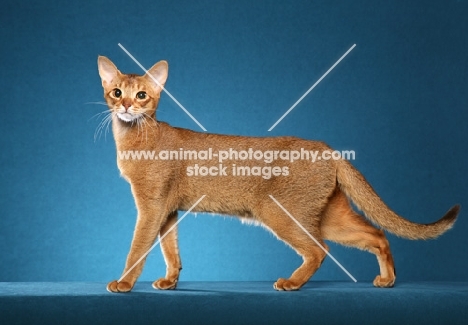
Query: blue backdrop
{"points": [[399, 99]]}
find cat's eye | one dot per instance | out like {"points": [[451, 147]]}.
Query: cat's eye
{"points": [[117, 92], [141, 95]]}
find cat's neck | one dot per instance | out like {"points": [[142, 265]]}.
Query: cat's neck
{"points": [[135, 135]]}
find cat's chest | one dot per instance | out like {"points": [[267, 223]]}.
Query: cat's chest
{"points": [[139, 162]]}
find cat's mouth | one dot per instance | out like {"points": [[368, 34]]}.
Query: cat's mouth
{"points": [[127, 117]]}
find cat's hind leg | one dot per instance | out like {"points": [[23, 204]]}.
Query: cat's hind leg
{"points": [[170, 250], [341, 224]]}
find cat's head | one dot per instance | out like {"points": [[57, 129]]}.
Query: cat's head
{"points": [[131, 97]]}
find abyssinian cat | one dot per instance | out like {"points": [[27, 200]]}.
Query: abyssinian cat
{"points": [[315, 194]]}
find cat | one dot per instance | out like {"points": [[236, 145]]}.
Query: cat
{"points": [[316, 194]]}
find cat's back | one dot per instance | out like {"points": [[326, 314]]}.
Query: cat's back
{"points": [[204, 141]]}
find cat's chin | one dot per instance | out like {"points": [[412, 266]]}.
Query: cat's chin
{"points": [[127, 117]]}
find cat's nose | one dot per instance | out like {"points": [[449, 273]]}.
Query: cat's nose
{"points": [[126, 103]]}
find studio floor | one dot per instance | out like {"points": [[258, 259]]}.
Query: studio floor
{"points": [[234, 303]]}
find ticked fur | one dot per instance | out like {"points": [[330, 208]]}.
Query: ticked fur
{"points": [[316, 194]]}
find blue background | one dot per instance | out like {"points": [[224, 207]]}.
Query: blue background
{"points": [[399, 99]]}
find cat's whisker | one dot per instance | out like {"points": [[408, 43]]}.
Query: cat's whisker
{"points": [[98, 114], [104, 124], [148, 125], [96, 103], [138, 126], [152, 121], [96, 132], [109, 120], [144, 124]]}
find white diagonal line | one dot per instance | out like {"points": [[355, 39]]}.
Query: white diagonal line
{"points": [[164, 89], [161, 238], [311, 88], [313, 238]]}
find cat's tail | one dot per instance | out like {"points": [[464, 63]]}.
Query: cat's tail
{"points": [[355, 186]]}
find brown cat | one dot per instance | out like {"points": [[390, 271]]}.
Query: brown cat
{"points": [[316, 194]]}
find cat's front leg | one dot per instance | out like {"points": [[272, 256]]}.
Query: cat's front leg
{"points": [[170, 250], [150, 218]]}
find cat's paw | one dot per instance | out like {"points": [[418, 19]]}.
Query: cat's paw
{"points": [[384, 282], [164, 284], [285, 285], [115, 286]]}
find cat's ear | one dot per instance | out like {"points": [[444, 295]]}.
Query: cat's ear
{"points": [[158, 76], [107, 70]]}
